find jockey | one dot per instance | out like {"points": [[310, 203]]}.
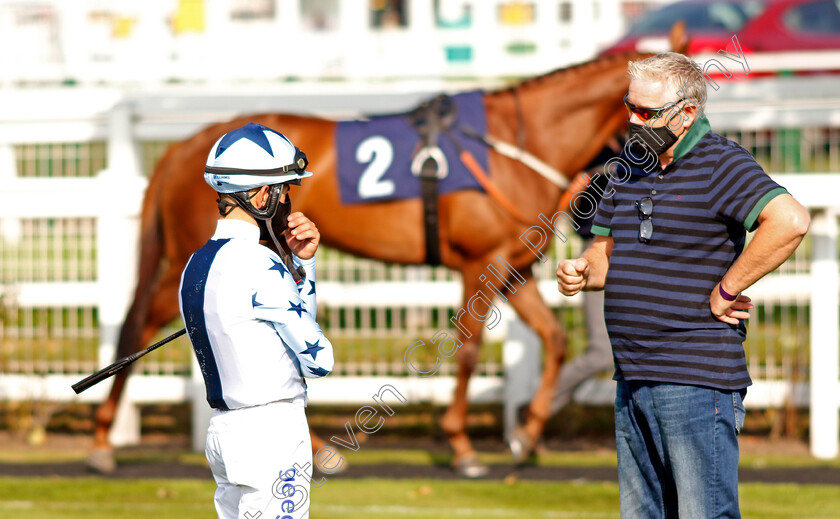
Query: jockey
{"points": [[250, 316]]}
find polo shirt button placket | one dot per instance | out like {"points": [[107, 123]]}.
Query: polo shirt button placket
{"points": [[653, 191]]}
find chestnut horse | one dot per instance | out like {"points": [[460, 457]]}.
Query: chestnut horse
{"points": [[563, 118]]}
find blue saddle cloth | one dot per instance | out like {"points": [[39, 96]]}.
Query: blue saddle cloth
{"points": [[374, 156]]}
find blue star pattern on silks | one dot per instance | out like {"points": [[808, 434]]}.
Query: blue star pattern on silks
{"points": [[312, 349], [254, 302], [312, 290], [321, 372], [297, 308], [278, 266]]}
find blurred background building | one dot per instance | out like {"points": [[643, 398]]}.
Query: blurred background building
{"points": [[159, 41]]}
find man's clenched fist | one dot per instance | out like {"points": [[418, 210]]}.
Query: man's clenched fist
{"points": [[572, 276]]}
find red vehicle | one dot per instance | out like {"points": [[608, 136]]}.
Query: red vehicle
{"points": [[760, 25]]}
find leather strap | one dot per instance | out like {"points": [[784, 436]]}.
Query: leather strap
{"points": [[429, 194], [492, 190]]}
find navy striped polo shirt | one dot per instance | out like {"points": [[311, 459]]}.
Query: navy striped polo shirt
{"points": [[656, 303]]}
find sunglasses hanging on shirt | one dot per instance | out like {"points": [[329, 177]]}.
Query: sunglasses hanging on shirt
{"points": [[645, 207]]}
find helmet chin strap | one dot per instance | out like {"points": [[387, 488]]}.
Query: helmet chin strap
{"points": [[285, 255], [266, 214], [243, 199]]}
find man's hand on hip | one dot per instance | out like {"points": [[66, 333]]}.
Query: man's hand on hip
{"points": [[572, 276], [729, 311]]}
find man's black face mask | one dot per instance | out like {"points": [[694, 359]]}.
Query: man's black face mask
{"points": [[656, 139]]}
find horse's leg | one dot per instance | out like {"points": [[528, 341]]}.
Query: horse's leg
{"points": [[534, 312], [163, 308], [454, 421]]}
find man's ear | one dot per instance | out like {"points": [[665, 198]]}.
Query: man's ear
{"points": [[682, 119], [691, 115]]}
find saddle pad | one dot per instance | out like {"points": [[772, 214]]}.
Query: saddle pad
{"points": [[374, 156]]}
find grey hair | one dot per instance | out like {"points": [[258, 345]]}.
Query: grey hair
{"points": [[680, 74]]}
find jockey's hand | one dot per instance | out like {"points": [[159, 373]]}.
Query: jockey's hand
{"points": [[302, 236]]}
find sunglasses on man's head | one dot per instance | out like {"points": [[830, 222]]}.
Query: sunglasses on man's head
{"points": [[646, 114]]}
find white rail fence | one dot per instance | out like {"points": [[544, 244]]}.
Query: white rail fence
{"points": [[113, 199]]}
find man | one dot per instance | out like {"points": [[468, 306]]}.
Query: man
{"points": [[670, 255], [250, 316]]}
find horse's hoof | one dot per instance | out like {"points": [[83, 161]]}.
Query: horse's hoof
{"points": [[470, 467], [102, 461], [521, 446]]}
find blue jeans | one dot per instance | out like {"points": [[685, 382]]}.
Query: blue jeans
{"points": [[677, 450]]}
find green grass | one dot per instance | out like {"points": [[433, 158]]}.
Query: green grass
{"points": [[599, 458], [386, 456], [381, 498], [604, 458], [93, 498]]}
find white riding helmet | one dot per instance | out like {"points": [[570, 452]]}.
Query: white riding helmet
{"points": [[253, 156]]}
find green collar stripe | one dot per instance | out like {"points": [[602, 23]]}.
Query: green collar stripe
{"points": [[696, 132]]}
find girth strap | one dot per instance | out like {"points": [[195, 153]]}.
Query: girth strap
{"points": [[429, 164], [429, 194]]}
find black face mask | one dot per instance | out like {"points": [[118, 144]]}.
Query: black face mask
{"points": [[655, 139], [280, 220], [281, 217], [273, 227]]}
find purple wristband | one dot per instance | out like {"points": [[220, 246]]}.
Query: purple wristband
{"points": [[726, 295]]}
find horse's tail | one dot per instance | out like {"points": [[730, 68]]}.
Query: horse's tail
{"points": [[148, 270]]}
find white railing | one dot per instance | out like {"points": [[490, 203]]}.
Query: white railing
{"points": [[113, 198]]}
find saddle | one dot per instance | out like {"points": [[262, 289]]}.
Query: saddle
{"points": [[429, 120], [433, 116]]}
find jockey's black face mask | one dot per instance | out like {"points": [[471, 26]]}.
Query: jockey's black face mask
{"points": [[270, 228], [272, 220], [280, 220]]}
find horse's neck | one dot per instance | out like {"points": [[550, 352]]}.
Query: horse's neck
{"points": [[572, 114]]}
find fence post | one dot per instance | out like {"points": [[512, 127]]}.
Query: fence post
{"points": [[117, 236], [10, 231], [825, 388], [521, 356]]}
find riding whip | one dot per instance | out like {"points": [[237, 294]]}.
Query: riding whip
{"points": [[121, 364]]}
